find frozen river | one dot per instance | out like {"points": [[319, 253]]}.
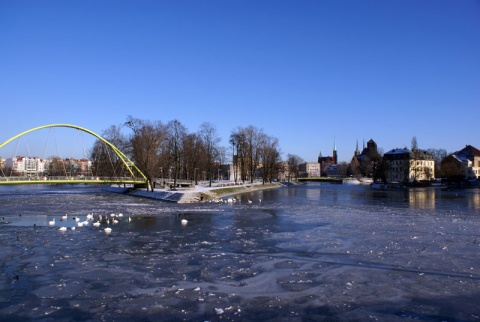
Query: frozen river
{"points": [[305, 253]]}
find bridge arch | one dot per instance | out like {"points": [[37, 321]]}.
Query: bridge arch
{"points": [[126, 161]]}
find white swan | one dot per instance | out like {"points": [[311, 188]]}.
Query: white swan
{"points": [[73, 228], [64, 217], [108, 230], [62, 229], [52, 222], [96, 224], [184, 221]]}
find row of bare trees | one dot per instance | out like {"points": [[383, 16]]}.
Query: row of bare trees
{"points": [[168, 150], [252, 148]]}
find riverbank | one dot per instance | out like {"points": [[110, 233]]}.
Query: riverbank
{"points": [[199, 193]]}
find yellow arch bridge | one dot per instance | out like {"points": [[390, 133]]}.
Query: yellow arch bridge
{"points": [[129, 165]]}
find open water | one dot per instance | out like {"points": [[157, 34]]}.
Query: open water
{"points": [[310, 252]]}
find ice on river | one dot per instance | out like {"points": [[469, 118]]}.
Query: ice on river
{"points": [[312, 252]]}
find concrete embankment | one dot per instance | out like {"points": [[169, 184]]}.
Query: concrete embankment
{"points": [[199, 194]]}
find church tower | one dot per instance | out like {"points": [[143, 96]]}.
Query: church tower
{"points": [[335, 160], [357, 153]]}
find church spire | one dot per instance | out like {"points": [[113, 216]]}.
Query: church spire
{"points": [[335, 152]]}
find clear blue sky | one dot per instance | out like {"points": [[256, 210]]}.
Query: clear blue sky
{"points": [[306, 72]]}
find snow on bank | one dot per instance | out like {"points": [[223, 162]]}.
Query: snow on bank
{"points": [[198, 194]]}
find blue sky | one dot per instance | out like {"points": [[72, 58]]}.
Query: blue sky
{"points": [[307, 72]]}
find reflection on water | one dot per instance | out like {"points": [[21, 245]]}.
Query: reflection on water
{"points": [[474, 199], [421, 197]]}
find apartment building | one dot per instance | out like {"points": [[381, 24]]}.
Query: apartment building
{"points": [[404, 165], [309, 170], [26, 165]]}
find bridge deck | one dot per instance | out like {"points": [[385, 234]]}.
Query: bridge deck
{"points": [[68, 180]]}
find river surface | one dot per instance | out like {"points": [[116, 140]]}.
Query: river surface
{"points": [[310, 252]]}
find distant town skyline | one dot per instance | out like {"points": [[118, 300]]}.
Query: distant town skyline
{"points": [[306, 72], [55, 143]]}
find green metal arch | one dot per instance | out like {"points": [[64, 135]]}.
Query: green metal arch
{"points": [[126, 161]]}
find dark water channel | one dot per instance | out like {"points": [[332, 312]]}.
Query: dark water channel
{"points": [[306, 253]]}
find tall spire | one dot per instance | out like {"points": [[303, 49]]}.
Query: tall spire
{"points": [[335, 158]]}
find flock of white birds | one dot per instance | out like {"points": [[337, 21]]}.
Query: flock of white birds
{"points": [[95, 221], [115, 218], [231, 200]]}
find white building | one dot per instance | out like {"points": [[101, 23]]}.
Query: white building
{"points": [[403, 165], [309, 169], [26, 165], [469, 159]]}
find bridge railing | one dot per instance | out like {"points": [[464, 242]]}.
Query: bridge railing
{"points": [[68, 178]]}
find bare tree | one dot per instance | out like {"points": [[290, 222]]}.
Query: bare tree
{"points": [[293, 162], [105, 161], [210, 139], [414, 143], [269, 157], [222, 160], [235, 139], [176, 133], [57, 167], [438, 155], [192, 160], [146, 146]]}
